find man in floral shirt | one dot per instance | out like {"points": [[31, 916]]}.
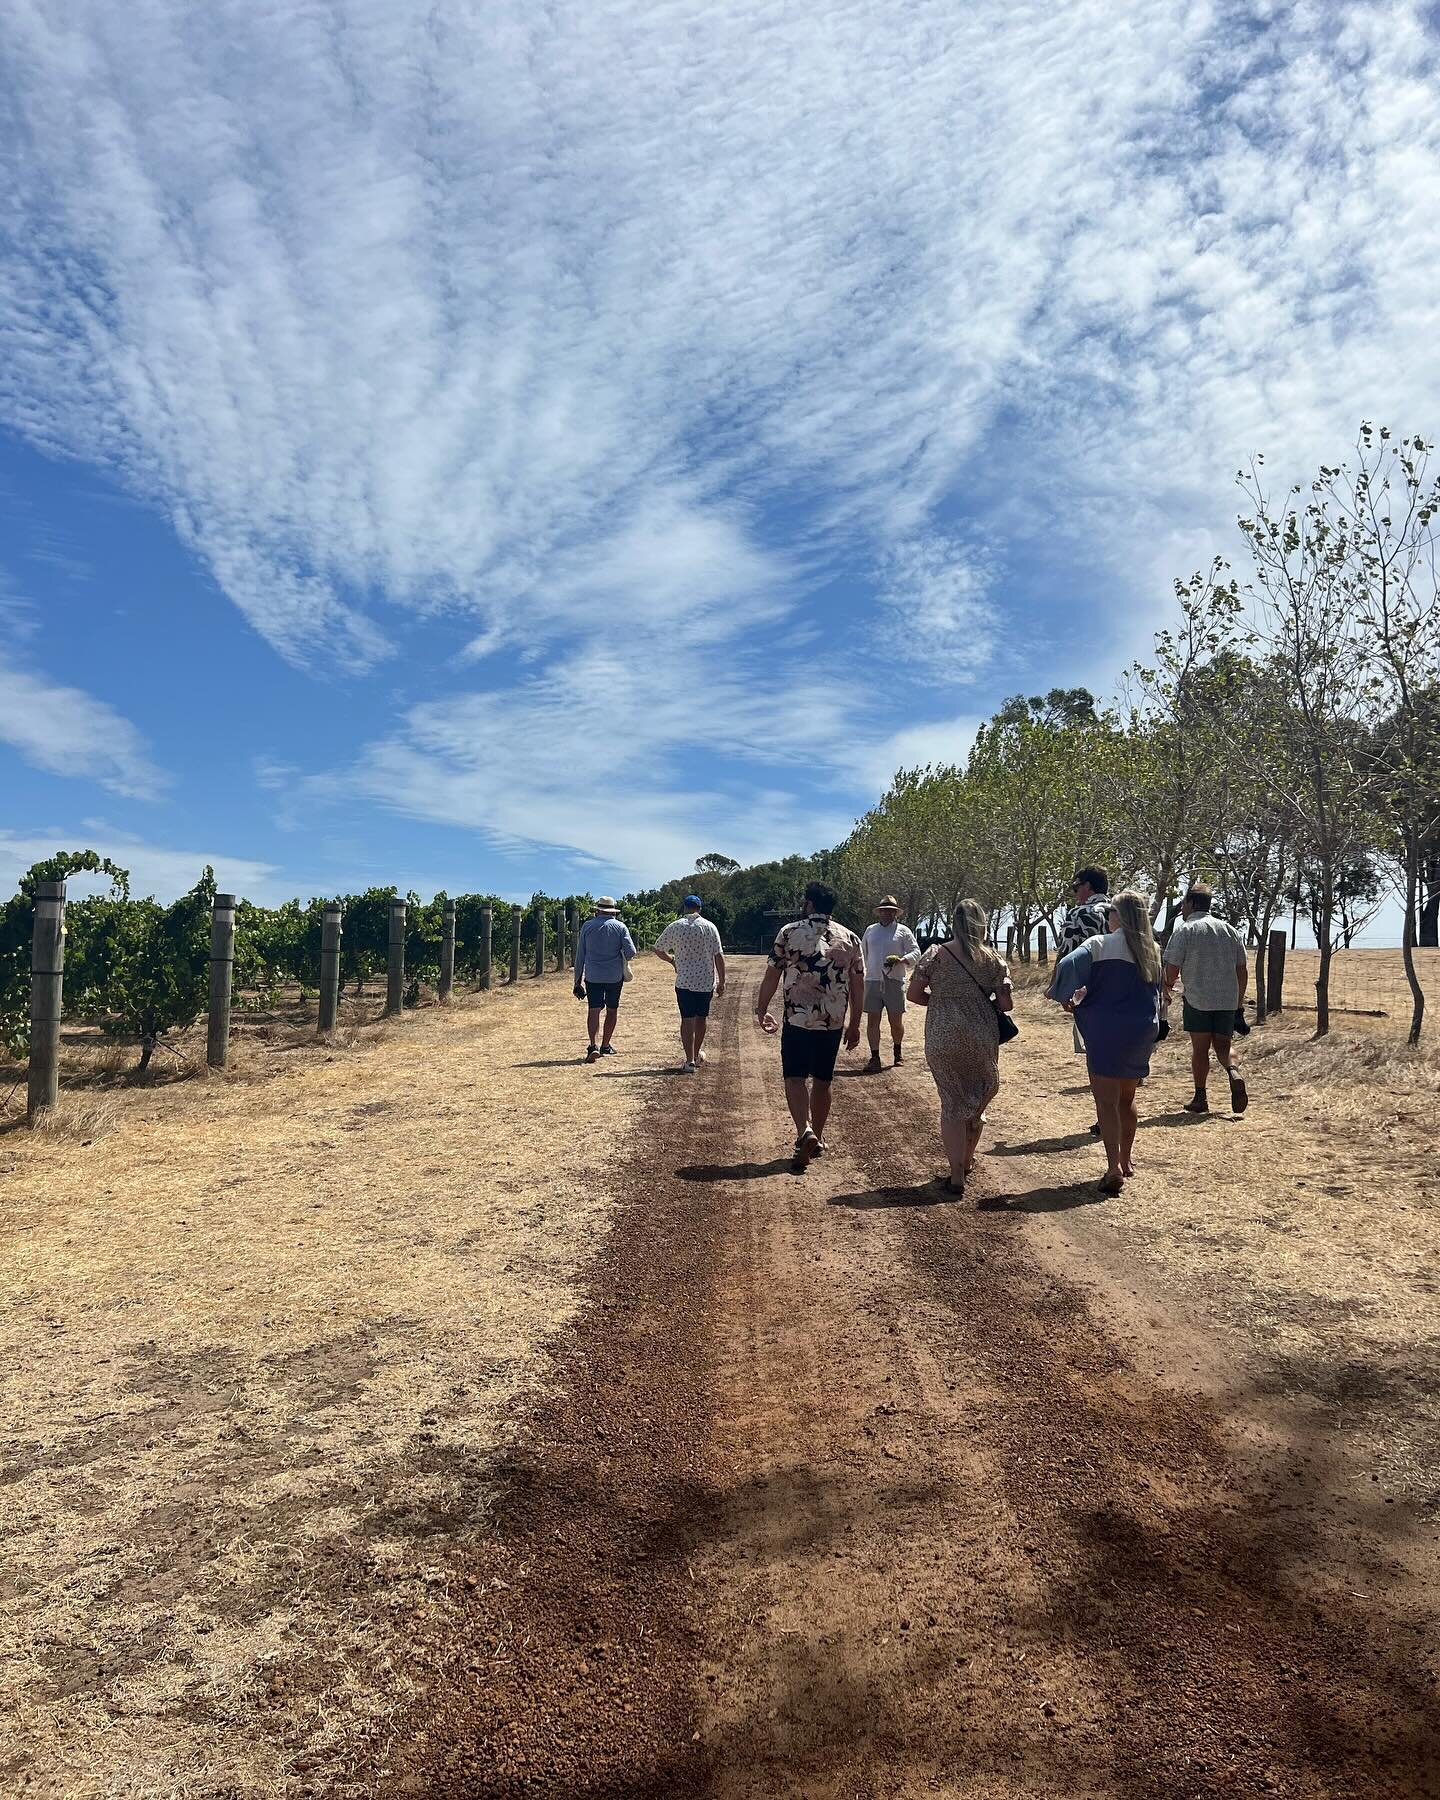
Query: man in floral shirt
{"points": [[823, 968]]}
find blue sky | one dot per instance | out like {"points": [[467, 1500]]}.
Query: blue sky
{"points": [[508, 446]]}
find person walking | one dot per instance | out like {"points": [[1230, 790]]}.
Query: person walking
{"points": [[823, 969], [1085, 917], [603, 954], [891, 952], [691, 945], [960, 984], [1111, 984], [1208, 956]]}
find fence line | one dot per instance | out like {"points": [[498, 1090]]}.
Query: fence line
{"points": [[47, 961]]}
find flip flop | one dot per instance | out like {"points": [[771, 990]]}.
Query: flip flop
{"points": [[1239, 1094]]}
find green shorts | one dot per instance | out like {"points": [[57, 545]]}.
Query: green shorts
{"points": [[1218, 1024]]}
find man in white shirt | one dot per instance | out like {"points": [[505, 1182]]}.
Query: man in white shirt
{"points": [[891, 952], [691, 945]]}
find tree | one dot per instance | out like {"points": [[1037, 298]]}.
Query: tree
{"points": [[1303, 558], [715, 864]]}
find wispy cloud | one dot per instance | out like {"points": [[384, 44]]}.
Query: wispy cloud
{"points": [[67, 732], [154, 868], [539, 317]]}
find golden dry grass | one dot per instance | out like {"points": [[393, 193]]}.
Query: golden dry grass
{"points": [[260, 1342]]}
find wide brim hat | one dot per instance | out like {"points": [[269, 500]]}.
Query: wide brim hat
{"points": [[606, 904], [889, 900]]}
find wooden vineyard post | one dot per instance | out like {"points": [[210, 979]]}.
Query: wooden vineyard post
{"points": [[572, 913], [395, 968], [47, 979], [539, 940], [1275, 974], [447, 953], [487, 945], [331, 927], [559, 937], [222, 969], [1042, 945], [516, 916], [1009, 943]]}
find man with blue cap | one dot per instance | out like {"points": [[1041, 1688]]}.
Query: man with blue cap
{"points": [[691, 945]]}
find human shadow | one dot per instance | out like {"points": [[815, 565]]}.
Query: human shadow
{"points": [[746, 1171], [1077, 1140], [1172, 1119], [926, 1193], [639, 1074], [1045, 1199], [552, 1062]]}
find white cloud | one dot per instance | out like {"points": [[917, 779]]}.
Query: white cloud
{"points": [[556, 319], [154, 868], [67, 732]]}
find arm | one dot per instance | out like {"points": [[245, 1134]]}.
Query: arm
{"points": [[912, 955], [1071, 974], [1242, 973], [857, 1002], [918, 992], [664, 955], [1004, 993], [769, 981], [627, 949], [580, 959], [1172, 975], [719, 974]]}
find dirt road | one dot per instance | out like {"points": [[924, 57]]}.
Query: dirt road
{"points": [[850, 1490]]}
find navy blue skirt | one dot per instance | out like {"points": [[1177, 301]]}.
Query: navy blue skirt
{"points": [[1118, 1020]]}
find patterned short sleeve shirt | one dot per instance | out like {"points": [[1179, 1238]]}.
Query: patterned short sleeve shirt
{"points": [[815, 957]]}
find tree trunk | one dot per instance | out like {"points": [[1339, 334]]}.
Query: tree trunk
{"points": [[1407, 945], [1262, 993], [1430, 912], [1324, 926]]}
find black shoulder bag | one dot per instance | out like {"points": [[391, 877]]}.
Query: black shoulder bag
{"points": [[1006, 1026]]}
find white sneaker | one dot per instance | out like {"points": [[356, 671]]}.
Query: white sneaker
{"points": [[699, 1056], [687, 1068]]}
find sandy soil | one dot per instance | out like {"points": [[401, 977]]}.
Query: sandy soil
{"points": [[259, 1345], [454, 1418], [871, 1493]]}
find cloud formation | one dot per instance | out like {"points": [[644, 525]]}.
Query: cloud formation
{"points": [[67, 732], [527, 315]]}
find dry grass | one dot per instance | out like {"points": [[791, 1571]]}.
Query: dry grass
{"points": [[260, 1342], [1352, 1075], [78, 1118]]}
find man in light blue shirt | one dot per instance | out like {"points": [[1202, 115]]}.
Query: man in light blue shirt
{"points": [[602, 962]]}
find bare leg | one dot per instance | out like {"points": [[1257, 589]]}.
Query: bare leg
{"points": [[897, 1028], [1107, 1106], [1225, 1054], [819, 1106], [1200, 1042], [687, 1038], [955, 1135], [1129, 1120], [972, 1142], [592, 1024], [611, 1015], [700, 1025], [872, 1033], [797, 1098]]}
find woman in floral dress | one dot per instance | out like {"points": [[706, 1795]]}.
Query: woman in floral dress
{"points": [[960, 983]]}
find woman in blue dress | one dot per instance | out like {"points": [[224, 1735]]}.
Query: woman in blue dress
{"points": [[1112, 985]]}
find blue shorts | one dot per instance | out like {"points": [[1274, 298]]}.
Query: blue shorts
{"points": [[694, 1003]]}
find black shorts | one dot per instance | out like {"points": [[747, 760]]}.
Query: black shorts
{"points": [[808, 1053], [604, 994], [694, 1003]]}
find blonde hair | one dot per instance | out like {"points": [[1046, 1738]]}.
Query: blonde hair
{"points": [[969, 927], [1134, 911]]}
